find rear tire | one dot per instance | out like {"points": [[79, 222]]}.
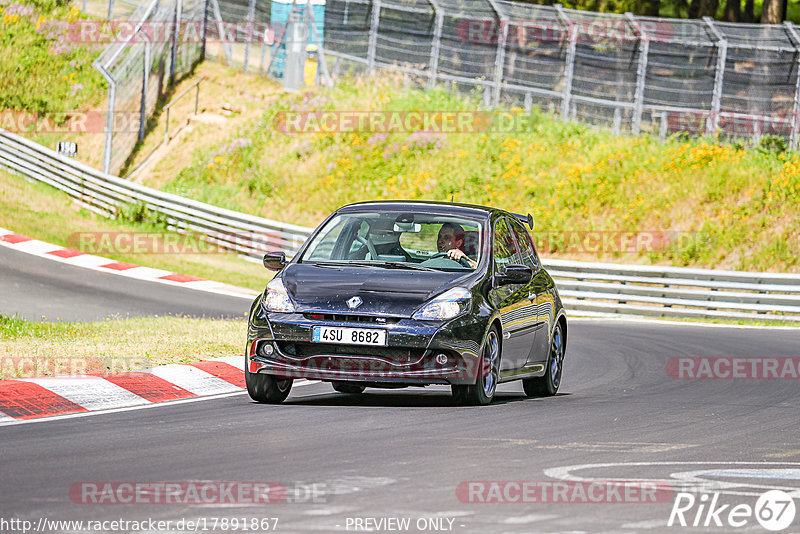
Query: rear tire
{"points": [[344, 387], [266, 389], [547, 385], [482, 392]]}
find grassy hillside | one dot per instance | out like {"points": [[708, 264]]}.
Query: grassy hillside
{"points": [[721, 206]]}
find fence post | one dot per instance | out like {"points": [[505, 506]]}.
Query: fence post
{"points": [[500, 55], [373, 35], [641, 74], [719, 76], [148, 46], [569, 64], [204, 30], [433, 63], [251, 15], [226, 46], [112, 90], [795, 123], [175, 37]]}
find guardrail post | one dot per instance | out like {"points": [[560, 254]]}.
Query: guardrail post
{"points": [[433, 63], [712, 125], [641, 74], [500, 55], [795, 120], [251, 15], [373, 35], [569, 64]]}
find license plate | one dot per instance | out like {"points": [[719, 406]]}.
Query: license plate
{"points": [[349, 336]]}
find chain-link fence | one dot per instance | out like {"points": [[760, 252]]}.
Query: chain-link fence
{"points": [[632, 74], [159, 42]]}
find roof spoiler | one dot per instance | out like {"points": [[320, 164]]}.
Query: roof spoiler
{"points": [[525, 219]]}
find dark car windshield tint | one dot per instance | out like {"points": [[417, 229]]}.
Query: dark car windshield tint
{"points": [[397, 240]]}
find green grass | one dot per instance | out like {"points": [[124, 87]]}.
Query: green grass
{"points": [[730, 207], [41, 212], [43, 72], [33, 348]]}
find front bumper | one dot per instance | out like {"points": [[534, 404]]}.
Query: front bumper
{"points": [[417, 352]]}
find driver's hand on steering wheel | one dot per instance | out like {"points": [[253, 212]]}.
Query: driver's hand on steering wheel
{"points": [[456, 255]]}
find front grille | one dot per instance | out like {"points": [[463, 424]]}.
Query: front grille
{"points": [[393, 354], [345, 318]]}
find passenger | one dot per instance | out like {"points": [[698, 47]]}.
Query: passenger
{"points": [[451, 240]]}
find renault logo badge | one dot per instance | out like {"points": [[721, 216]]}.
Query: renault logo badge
{"points": [[354, 303]]}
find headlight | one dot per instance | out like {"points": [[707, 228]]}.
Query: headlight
{"points": [[276, 299], [449, 304]]}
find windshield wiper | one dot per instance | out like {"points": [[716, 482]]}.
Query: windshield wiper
{"points": [[403, 265]]}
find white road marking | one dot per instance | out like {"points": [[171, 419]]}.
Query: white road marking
{"points": [[119, 410], [147, 273], [674, 480], [235, 361], [12, 421], [86, 260], [91, 392], [193, 379], [648, 524], [36, 247]]}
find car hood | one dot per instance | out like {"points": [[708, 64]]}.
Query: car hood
{"points": [[390, 292]]}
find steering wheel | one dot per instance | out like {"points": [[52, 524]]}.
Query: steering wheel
{"points": [[370, 246], [462, 261]]}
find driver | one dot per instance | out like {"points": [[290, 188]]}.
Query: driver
{"points": [[451, 240]]}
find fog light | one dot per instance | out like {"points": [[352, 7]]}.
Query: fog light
{"points": [[266, 349], [441, 359]]}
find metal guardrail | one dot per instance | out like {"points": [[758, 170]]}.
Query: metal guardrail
{"points": [[586, 288], [607, 288], [108, 195]]}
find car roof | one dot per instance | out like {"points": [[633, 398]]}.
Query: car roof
{"points": [[427, 205]]}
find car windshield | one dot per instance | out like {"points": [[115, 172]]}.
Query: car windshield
{"points": [[398, 240]]}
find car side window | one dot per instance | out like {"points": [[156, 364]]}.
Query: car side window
{"points": [[505, 250], [527, 250]]}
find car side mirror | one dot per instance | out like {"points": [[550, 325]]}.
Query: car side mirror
{"points": [[274, 261], [514, 274]]}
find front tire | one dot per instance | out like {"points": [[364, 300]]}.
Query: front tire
{"points": [[344, 387], [266, 389], [482, 392], [547, 385]]}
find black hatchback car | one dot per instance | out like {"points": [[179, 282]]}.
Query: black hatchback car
{"points": [[396, 294]]}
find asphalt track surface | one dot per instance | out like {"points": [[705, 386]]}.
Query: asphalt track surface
{"points": [[37, 288], [350, 460]]}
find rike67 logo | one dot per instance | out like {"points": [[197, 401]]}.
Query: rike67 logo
{"points": [[774, 510]]}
